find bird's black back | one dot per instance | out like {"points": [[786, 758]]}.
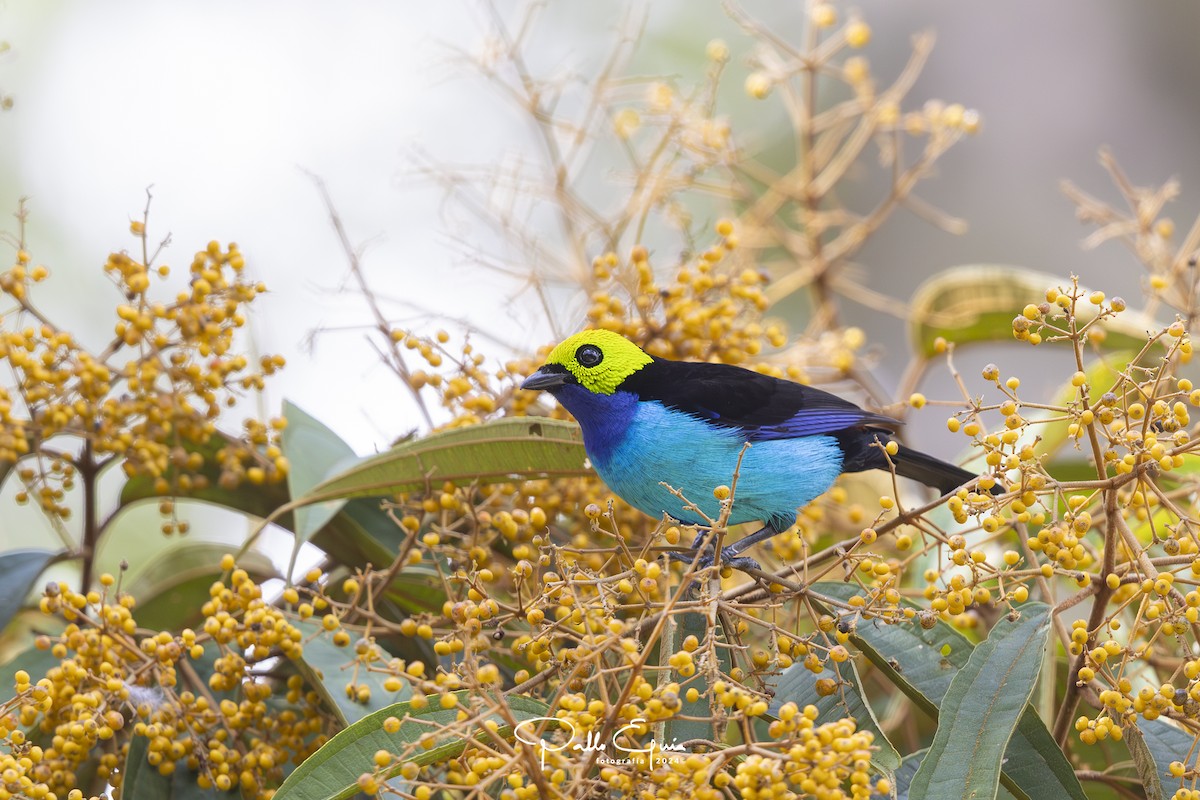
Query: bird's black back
{"points": [[763, 406]]}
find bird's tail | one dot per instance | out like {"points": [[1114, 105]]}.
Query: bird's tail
{"points": [[930, 471]]}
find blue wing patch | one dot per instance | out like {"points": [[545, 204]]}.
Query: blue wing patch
{"points": [[806, 423]]}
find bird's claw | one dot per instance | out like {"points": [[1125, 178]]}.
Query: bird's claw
{"points": [[730, 557], [734, 561]]}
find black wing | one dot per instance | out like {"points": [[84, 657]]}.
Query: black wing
{"points": [[762, 406]]}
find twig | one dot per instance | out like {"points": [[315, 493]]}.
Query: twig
{"points": [[396, 362]]}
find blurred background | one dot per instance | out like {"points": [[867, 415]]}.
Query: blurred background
{"points": [[228, 111]]}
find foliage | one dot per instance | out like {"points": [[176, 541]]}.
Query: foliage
{"points": [[488, 621]]}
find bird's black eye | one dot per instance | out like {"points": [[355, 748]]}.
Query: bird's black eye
{"points": [[588, 355]]}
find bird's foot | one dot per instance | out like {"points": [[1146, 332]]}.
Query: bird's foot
{"points": [[730, 557], [703, 551]]}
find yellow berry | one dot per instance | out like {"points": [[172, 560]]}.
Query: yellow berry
{"points": [[824, 15], [858, 34], [717, 50], [758, 85]]}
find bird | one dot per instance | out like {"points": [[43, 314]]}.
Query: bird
{"points": [[652, 424]]}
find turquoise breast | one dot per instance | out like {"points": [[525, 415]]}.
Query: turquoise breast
{"points": [[660, 445]]}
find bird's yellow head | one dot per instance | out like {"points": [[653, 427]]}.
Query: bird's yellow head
{"points": [[597, 360]]}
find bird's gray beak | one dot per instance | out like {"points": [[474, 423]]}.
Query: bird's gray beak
{"points": [[548, 377]]}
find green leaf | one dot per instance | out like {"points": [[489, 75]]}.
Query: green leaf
{"points": [[133, 541], [418, 589], [36, 662], [258, 501], [329, 668], [206, 667], [506, 449], [908, 768], [173, 586], [1143, 761], [906, 771], [183, 787], [1154, 744], [694, 719], [977, 303], [981, 708], [361, 533], [798, 685], [919, 661], [1033, 759], [86, 779], [142, 781], [332, 772], [315, 453], [911, 657], [19, 571]]}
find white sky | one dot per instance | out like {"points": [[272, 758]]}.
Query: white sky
{"points": [[222, 107]]}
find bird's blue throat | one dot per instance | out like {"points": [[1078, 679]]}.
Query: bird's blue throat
{"points": [[604, 418]]}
